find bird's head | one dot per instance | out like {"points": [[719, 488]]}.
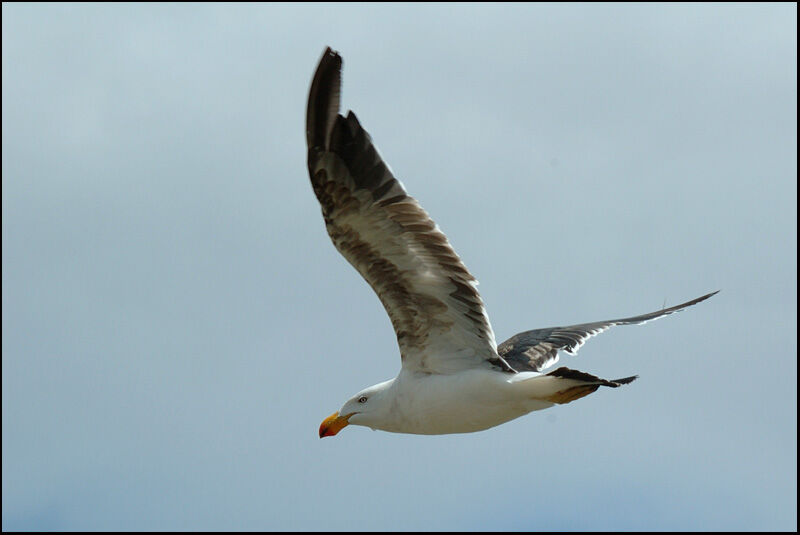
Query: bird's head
{"points": [[369, 407]]}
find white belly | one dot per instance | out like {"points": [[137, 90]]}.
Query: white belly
{"points": [[460, 403]]}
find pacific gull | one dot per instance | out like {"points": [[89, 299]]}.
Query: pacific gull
{"points": [[454, 378]]}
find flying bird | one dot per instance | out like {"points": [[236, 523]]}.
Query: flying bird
{"points": [[454, 378]]}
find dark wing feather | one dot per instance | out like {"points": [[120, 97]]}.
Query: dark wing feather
{"points": [[430, 297], [538, 349]]}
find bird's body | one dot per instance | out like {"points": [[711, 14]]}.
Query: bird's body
{"points": [[471, 400], [454, 377]]}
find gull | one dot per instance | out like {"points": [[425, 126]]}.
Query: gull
{"points": [[454, 378]]}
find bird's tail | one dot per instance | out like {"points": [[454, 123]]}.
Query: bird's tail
{"points": [[564, 385]]}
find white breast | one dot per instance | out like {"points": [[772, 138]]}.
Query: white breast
{"points": [[463, 402]]}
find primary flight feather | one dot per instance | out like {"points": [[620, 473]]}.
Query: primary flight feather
{"points": [[454, 378]]}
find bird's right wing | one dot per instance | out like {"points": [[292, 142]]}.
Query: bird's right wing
{"points": [[538, 349], [427, 291]]}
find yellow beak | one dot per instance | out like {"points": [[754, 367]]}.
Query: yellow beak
{"points": [[333, 424]]}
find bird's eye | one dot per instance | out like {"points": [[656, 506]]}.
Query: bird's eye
{"points": [[362, 399]]}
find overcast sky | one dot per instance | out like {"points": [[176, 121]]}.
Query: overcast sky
{"points": [[176, 322]]}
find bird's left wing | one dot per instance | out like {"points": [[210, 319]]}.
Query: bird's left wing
{"points": [[538, 349], [431, 298]]}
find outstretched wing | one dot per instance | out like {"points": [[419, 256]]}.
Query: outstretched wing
{"points": [[431, 298], [538, 349]]}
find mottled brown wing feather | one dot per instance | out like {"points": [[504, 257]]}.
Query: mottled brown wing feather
{"points": [[429, 295]]}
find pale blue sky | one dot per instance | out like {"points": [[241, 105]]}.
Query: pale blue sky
{"points": [[176, 322]]}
